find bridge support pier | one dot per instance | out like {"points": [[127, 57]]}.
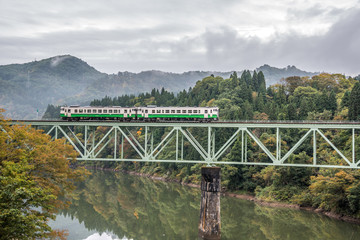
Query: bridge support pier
{"points": [[209, 224]]}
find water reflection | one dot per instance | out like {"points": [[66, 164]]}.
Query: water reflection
{"points": [[131, 207]]}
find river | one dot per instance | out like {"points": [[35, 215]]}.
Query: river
{"points": [[112, 205]]}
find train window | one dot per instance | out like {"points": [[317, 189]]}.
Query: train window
{"points": [[205, 111], [80, 110], [158, 111], [100, 111], [94, 110], [115, 111], [167, 111], [172, 111], [69, 110], [210, 111], [178, 111], [183, 111], [153, 111], [162, 111], [110, 111], [189, 111], [105, 111], [146, 111], [88, 111], [125, 111], [75, 110], [195, 111]]}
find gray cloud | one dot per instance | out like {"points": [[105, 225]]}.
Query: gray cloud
{"points": [[142, 35]]}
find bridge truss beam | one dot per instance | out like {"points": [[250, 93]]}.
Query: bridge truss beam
{"points": [[146, 142]]}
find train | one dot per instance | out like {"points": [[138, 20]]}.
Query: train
{"points": [[149, 113]]}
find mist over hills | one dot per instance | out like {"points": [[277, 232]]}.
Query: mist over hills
{"points": [[26, 88]]}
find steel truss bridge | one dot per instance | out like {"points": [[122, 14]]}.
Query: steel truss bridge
{"points": [[140, 141]]}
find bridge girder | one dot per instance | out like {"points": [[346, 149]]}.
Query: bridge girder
{"points": [[98, 136]]}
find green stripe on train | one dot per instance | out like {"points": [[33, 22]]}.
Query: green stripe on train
{"points": [[139, 116], [96, 115], [178, 116]]}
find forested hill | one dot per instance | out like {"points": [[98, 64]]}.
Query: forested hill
{"points": [[31, 86], [26, 88], [321, 97]]}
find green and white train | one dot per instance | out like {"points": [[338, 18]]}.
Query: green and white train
{"points": [[149, 113]]}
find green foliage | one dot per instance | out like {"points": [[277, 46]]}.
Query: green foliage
{"points": [[322, 97], [25, 207], [35, 175], [354, 102]]}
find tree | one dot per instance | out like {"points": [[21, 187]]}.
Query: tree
{"points": [[262, 83], [354, 102], [35, 172]]}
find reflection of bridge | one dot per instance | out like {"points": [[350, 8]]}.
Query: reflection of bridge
{"points": [[95, 137]]}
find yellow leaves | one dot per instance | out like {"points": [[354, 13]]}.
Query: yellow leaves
{"points": [[136, 214], [139, 132]]}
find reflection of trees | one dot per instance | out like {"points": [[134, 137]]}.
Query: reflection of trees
{"points": [[144, 209], [136, 207], [241, 220]]}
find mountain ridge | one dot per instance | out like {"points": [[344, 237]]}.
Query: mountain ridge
{"points": [[29, 87]]}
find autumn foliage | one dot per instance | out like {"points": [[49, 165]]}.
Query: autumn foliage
{"points": [[35, 175]]}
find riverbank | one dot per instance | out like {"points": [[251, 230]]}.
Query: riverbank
{"points": [[247, 197]]}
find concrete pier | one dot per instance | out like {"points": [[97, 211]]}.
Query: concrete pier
{"points": [[209, 224]]}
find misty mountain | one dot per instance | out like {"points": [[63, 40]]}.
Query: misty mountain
{"points": [[274, 75], [26, 88]]}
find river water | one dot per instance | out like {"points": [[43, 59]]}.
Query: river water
{"points": [[113, 205]]}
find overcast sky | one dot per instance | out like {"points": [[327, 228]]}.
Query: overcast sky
{"points": [[184, 35]]}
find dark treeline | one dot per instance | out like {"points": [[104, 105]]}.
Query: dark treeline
{"points": [[246, 97]]}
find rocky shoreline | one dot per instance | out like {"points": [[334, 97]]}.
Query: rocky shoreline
{"points": [[244, 196]]}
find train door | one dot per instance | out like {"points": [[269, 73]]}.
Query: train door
{"points": [[206, 114]]}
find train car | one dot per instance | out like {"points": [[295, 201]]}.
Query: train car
{"points": [[149, 113], [153, 113]]}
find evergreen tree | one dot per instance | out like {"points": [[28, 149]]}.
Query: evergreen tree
{"points": [[331, 103], [354, 103], [345, 101], [234, 79], [261, 82], [255, 81]]}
